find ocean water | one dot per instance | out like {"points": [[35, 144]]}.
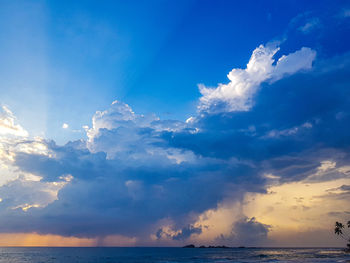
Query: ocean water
{"points": [[166, 255]]}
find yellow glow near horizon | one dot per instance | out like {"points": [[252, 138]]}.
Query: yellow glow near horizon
{"points": [[37, 240], [299, 212], [217, 221]]}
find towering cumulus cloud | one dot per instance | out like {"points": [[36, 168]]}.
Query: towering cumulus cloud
{"points": [[155, 181], [238, 94]]}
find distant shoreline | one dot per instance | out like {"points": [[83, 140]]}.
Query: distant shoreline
{"points": [[193, 246]]}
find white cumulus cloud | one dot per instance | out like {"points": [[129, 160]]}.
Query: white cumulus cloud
{"points": [[237, 95], [8, 126]]}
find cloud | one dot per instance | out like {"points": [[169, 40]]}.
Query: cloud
{"points": [[125, 170], [293, 210], [345, 13], [180, 235], [246, 231], [8, 126], [344, 187], [14, 140], [310, 25], [238, 94], [186, 232], [28, 192], [139, 176], [119, 131]]}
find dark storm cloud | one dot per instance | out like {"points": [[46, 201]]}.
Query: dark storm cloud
{"points": [[181, 235], [291, 123], [246, 231], [128, 197], [134, 171]]}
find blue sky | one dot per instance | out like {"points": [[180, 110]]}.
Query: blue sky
{"points": [[167, 122], [68, 60]]}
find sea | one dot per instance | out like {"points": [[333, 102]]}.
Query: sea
{"points": [[166, 255]]}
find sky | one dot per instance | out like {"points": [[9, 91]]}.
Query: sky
{"points": [[164, 123]]}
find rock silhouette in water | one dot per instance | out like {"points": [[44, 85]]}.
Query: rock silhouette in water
{"points": [[189, 246]]}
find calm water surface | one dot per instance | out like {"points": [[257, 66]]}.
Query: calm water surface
{"points": [[114, 255]]}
